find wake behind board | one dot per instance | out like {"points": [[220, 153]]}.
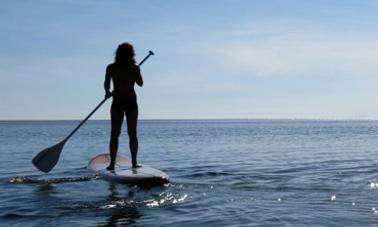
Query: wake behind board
{"points": [[124, 173]]}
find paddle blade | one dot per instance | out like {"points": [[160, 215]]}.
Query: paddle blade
{"points": [[47, 159]]}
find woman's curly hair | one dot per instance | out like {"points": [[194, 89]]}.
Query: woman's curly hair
{"points": [[125, 54]]}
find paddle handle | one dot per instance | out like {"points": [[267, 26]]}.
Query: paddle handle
{"points": [[100, 104], [144, 59]]}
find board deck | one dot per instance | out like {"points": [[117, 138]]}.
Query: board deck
{"points": [[124, 173]]}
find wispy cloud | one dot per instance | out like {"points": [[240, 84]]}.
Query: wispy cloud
{"points": [[268, 51]]}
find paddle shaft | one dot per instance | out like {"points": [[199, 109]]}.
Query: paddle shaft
{"points": [[100, 104]]}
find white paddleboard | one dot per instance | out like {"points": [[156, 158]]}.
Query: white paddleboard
{"points": [[124, 173]]}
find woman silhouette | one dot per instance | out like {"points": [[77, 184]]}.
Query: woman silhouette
{"points": [[124, 73]]}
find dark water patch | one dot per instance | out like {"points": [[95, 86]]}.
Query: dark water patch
{"points": [[206, 174]]}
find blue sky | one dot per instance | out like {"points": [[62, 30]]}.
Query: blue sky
{"points": [[214, 58]]}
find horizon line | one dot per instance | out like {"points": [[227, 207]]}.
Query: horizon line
{"points": [[209, 119]]}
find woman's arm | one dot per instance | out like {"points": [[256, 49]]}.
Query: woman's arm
{"points": [[107, 83], [139, 79]]}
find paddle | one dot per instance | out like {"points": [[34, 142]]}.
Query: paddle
{"points": [[47, 158]]}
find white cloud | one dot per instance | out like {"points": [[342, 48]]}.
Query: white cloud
{"points": [[297, 51]]}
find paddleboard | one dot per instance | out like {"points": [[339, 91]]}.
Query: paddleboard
{"points": [[124, 173]]}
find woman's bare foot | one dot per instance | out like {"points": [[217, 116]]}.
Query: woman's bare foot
{"points": [[110, 168], [136, 166]]}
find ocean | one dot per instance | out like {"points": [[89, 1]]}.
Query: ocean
{"points": [[223, 173]]}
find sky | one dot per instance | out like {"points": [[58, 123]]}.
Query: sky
{"points": [[214, 59]]}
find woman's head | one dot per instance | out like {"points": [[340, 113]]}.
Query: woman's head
{"points": [[125, 54]]}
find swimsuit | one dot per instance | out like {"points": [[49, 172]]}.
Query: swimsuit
{"points": [[124, 104]]}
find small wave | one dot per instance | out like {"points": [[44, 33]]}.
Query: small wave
{"points": [[14, 215], [208, 173], [165, 198], [33, 180]]}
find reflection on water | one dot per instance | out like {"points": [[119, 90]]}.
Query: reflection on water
{"points": [[123, 216], [121, 209], [124, 202]]}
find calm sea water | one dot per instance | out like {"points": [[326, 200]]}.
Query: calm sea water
{"points": [[223, 173]]}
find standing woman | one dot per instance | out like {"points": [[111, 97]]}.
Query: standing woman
{"points": [[124, 73]]}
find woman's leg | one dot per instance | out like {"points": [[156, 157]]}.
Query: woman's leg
{"points": [[116, 124], [132, 119]]}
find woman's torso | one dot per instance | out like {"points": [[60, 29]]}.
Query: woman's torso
{"points": [[123, 78]]}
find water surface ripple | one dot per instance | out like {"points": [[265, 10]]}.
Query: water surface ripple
{"points": [[223, 172]]}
